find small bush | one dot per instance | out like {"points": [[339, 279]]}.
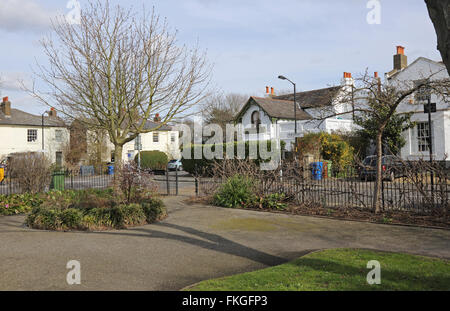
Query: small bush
{"points": [[154, 210], [71, 218], [18, 203], [136, 185], [274, 201], [32, 171], [153, 160], [133, 215], [237, 191]]}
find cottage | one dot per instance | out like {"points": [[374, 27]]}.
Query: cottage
{"points": [[21, 131], [418, 138], [274, 117]]}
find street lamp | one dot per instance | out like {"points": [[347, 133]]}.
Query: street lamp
{"points": [[295, 102], [43, 147]]}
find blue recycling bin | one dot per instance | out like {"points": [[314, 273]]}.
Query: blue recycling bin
{"points": [[110, 169], [316, 170]]}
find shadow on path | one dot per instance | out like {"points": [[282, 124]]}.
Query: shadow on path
{"points": [[214, 242]]}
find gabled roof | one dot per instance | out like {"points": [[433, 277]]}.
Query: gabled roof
{"points": [[275, 108], [19, 117], [395, 72], [313, 99]]}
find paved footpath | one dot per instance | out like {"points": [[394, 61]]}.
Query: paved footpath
{"points": [[194, 243]]}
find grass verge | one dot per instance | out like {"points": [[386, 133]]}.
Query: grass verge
{"points": [[340, 270]]}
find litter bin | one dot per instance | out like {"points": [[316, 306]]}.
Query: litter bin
{"points": [[2, 174], [58, 181], [316, 170], [110, 169]]}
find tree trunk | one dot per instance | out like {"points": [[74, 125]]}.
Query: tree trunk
{"points": [[118, 155], [379, 174], [439, 11]]}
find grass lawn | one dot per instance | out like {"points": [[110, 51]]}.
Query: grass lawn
{"points": [[340, 269]]}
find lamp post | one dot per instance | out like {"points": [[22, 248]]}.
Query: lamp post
{"points": [[43, 146], [295, 102]]}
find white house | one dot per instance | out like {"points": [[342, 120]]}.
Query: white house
{"points": [[273, 117], [164, 139], [417, 138], [24, 132]]}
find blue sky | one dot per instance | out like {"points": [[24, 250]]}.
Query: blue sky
{"points": [[249, 42]]}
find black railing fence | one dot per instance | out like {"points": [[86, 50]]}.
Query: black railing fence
{"points": [[92, 178], [99, 177], [409, 189]]}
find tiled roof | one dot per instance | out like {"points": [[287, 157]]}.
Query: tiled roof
{"points": [[313, 99], [19, 117], [151, 125], [281, 109]]}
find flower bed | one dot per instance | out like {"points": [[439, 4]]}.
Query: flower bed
{"points": [[18, 204], [93, 210]]}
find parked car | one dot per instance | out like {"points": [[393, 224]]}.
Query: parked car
{"points": [[175, 165], [391, 166]]}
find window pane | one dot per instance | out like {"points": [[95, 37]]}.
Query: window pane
{"points": [[31, 136], [155, 137]]}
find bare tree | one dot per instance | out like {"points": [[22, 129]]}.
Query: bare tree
{"points": [[117, 69], [222, 108], [439, 11]]}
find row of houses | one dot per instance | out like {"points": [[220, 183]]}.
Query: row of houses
{"points": [[274, 117], [21, 131], [270, 117]]}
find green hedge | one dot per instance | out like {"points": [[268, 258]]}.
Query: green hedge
{"points": [[153, 160], [201, 166]]}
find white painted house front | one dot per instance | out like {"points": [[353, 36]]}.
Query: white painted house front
{"points": [[164, 139], [417, 138], [22, 132], [273, 118]]}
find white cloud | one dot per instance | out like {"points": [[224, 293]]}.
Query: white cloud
{"points": [[13, 81], [20, 15]]}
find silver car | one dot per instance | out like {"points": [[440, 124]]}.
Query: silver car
{"points": [[175, 165]]}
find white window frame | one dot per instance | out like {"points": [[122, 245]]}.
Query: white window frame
{"points": [[32, 135], [423, 136], [155, 137], [59, 136]]}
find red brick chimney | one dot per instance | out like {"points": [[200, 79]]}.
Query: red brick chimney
{"points": [[400, 59], [157, 118], [6, 107], [52, 113]]}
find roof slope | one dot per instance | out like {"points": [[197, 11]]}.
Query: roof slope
{"points": [[313, 99], [281, 109], [19, 117]]}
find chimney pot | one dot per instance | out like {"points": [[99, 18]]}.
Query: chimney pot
{"points": [[376, 74], [52, 112], [272, 91], [6, 107], [400, 50], [267, 90]]}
